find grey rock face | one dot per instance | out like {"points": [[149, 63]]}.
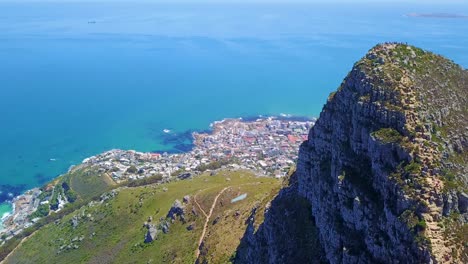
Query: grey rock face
{"points": [[344, 173], [151, 234], [177, 210], [375, 197], [463, 202], [287, 235], [451, 203]]}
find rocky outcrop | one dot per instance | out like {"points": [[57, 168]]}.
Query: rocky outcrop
{"points": [[385, 168], [151, 234], [177, 210]]}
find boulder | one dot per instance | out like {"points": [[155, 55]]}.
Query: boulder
{"points": [[74, 221], [194, 212], [463, 202], [177, 209], [152, 234], [216, 220], [191, 227], [165, 227]]}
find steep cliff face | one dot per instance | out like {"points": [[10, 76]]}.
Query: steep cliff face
{"points": [[385, 166], [287, 234]]}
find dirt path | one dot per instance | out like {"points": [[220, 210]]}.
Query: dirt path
{"points": [[197, 254], [199, 206], [108, 179], [13, 251]]}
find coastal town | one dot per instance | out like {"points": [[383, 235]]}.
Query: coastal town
{"points": [[267, 146]]}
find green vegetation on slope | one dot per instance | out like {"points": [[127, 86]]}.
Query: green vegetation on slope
{"points": [[113, 232], [87, 182], [90, 184], [80, 184], [388, 135]]}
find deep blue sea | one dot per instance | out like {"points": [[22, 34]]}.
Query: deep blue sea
{"points": [[78, 78]]}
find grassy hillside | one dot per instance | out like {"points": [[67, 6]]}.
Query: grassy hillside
{"points": [[112, 231], [87, 182]]}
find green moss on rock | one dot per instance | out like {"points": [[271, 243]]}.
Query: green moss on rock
{"points": [[388, 135]]}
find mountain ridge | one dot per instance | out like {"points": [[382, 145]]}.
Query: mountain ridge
{"points": [[384, 169]]}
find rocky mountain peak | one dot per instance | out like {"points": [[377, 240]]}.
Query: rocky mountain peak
{"points": [[385, 166]]}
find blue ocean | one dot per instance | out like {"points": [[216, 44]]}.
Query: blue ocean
{"points": [[78, 78]]}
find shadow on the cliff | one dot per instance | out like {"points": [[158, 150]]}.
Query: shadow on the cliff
{"points": [[287, 234]]}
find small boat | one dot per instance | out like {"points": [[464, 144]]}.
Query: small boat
{"points": [[52, 159], [166, 131]]}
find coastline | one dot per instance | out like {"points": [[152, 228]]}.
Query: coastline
{"points": [[7, 215], [6, 209], [170, 136]]}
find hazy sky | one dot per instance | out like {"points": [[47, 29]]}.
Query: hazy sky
{"points": [[441, 2]]}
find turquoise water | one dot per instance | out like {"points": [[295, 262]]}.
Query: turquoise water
{"points": [[80, 78], [5, 209]]}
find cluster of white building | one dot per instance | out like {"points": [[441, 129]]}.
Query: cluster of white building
{"points": [[267, 145]]}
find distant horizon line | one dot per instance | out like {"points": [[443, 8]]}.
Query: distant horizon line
{"points": [[422, 2]]}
